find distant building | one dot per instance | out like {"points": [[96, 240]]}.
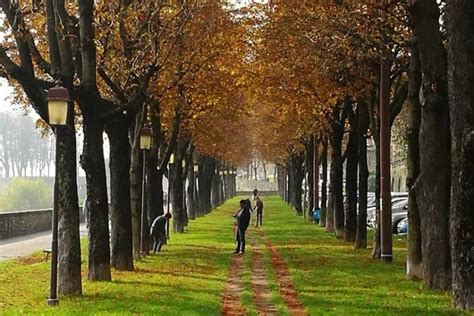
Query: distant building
{"points": [[398, 166]]}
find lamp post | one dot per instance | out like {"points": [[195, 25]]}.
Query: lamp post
{"points": [[231, 183], [386, 214], [145, 144], [222, 187], [183, 180], [170, 163], [58, 100], [195, 190]]}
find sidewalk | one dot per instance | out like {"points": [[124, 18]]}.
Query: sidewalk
{"points": [[12, 248]]}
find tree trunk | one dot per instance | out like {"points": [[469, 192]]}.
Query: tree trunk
{"points": [[185, 204], [296, 183], [154, 185], [197, 201], [310, 168], [177, 193], [205, 178], [433, 185], [324, 184], [337, 207], [414, 257], [350, 218], [94, 167], [121, 215], [135, 184], [377, 251], [215, 190], [361, 236], [279, 179], [221, 189], [316, 163], [460, 19], [191, 205], [374, 119], [156, 195], [69, 248]]}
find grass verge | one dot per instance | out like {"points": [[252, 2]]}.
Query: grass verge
{"points": [[187, 278], [333, 278]]}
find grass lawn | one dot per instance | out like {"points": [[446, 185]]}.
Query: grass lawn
{"points": [[333, 278], [185, 279], [188, 277]]}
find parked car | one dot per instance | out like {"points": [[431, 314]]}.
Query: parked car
{"points": [[399, 207], [402, 226], [399, 213]]}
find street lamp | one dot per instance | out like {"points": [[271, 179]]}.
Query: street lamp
{"points": [[145, 138], [183, 169], [58, 101], [145, 144], [170, 162], [385, 218], [195, 190]]}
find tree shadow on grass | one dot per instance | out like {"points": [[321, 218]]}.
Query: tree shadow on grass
{"points": [[158, 298], [361, 301]]}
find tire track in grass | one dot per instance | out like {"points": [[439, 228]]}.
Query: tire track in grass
{"points": [[287, 288], [260, 285], [233, 288]]}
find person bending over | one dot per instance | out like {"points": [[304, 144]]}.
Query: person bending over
{"points": [[158, 231]]}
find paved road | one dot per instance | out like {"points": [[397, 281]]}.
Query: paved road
{"points": [[25, 245]]}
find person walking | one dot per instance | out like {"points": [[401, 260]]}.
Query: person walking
{"points": [[242, 223], [254, 194], [158, 231], [259, 209]]}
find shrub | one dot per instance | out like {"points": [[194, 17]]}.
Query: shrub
{"points": [[25, 194]]}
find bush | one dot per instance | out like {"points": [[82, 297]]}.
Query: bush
{"points": [[25, 194]]}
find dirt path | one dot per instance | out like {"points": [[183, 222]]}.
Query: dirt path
{"points": [[261, 293], [260, 288], [287, 288], [233, 288]]}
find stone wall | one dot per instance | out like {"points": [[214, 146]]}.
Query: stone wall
{"points": [[244, 185], [21, 223], [14, 224]]}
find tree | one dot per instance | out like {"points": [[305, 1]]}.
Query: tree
{"points": [[26, 69], [433, 184], [460, 23], [414, 254]]}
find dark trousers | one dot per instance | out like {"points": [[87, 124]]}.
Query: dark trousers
{"points": [[240, 238], [259, 218], [158, 242]]}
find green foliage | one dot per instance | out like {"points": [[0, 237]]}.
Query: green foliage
{"points": [[25, 194]]}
